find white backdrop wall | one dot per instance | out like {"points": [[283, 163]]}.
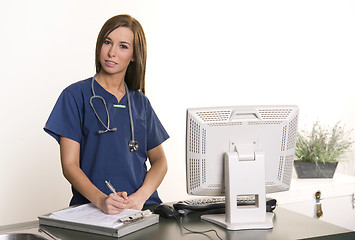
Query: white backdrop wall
{"points": [[200, 53]]}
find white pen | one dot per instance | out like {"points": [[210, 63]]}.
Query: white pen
{"points": [[109, 185]]}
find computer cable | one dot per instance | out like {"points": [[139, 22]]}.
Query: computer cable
{"points": [[183, 213], [167, 211]]}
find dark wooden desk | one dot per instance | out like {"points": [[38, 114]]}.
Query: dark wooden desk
{"points": [[287, 225]]}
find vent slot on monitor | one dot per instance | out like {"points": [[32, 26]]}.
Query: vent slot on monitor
{"points": [[271, 189], [194, 166], [214, 116], [194, 138], [204, 136], [287, 173], [203, 170], [274, 114], [224, 124], [292, 133], [281, 166], [283, 142], [265, 123]]}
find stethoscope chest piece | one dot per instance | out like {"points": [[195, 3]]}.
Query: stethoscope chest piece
{"points": [[133, 146]]}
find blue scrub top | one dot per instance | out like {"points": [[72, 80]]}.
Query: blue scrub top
{"points": [[106, 156]]}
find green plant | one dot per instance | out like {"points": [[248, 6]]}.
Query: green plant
{"points": [[323, 144]]}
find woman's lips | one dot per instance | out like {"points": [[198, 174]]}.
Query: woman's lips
{"points": [[110, 63]]}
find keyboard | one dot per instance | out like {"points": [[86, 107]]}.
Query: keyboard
{"points": [[218, 203]]}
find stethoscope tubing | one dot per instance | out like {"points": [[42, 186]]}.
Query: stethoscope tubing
{"points": [[133, 145], [130, 112]]}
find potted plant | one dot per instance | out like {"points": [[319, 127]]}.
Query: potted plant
{"points": [[319, 151]]}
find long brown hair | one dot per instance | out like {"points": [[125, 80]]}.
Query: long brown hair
{"points": [[135, 74]]}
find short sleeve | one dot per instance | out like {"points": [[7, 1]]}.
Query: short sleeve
{"points": [[65, 118], [156, 132]]}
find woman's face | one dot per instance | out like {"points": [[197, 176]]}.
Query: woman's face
{"points": [[117, 51]]}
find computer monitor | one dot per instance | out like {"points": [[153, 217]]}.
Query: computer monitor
{"points": [[240, 151]]}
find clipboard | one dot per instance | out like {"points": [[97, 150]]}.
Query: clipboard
{"points": [[130, 224]]}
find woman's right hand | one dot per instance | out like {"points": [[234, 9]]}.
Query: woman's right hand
{"points": [[113, 203]]}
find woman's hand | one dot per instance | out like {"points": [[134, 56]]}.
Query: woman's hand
{"points": [[113, 203], [136, 201]]}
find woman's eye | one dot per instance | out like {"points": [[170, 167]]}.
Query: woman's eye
{"points": [[107, 42], [124, 46]]}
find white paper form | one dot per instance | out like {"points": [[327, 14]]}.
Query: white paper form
{"points": [[90, 214]]}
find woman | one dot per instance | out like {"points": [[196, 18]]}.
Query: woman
{"points": [[91, 151]]}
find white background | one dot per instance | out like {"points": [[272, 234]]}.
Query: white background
{"points": [[200, 53]]}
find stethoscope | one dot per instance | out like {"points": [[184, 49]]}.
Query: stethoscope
{"points": [[133, 144]]}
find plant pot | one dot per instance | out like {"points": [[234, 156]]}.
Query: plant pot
{"points": [[315, 170]]}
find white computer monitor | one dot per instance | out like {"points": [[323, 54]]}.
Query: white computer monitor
{"points": [[240, 151]]}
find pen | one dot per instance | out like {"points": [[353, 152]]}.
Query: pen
{"points": [[109, 185]]}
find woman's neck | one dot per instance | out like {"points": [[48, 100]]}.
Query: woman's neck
{"points": [[112, 83]]}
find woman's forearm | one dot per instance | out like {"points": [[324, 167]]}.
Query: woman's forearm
{"points": [[156, 173], [70, 151]]}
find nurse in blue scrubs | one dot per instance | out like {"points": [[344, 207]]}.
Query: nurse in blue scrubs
{"points": [[107, 128]]}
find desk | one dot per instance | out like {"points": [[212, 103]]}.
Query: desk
{"points": [[287, 225], [336, 198]]}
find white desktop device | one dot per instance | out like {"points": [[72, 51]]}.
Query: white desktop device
{"points": [[240, 151]]}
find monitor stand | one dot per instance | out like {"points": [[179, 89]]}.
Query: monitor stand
{"points": [[244, 176]]}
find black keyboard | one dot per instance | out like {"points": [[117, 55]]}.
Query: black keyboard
{"points": [[218, 203]]}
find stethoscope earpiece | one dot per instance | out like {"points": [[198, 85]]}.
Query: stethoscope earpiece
{"points": [[132, 145]]}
